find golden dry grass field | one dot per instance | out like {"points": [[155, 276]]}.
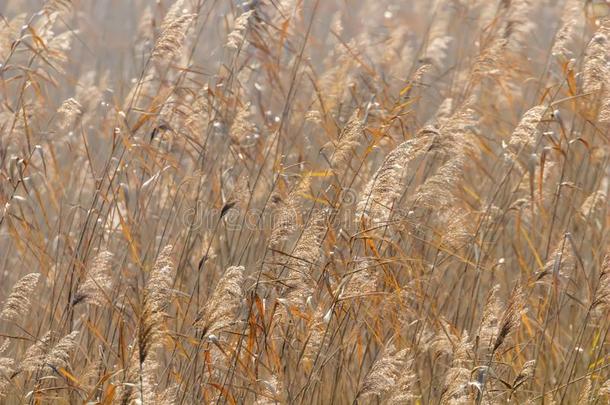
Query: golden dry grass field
{"points": [[304, 202]]}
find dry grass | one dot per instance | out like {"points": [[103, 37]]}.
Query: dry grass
{"points": [[304, 201]]}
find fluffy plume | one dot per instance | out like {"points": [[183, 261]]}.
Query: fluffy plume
{"points": [[156, 298], [317, 327], [304, 256], [585, 392], [236, 37], [379, 194], [605, 388], [242, 125], [488, 328], [42, 354], [436, 191], [348, 139], [572, 10], [59, 355], [360, 281], [403, 391], [34, 356], [139, 375], [6, 369], [286, 215], [601, 299], [57, 6], [69, 112], [220, 310], [96, 287], [517, 24], [526, 134], [594, 202], [458, 376], [18, 302], [385, 373], [561, 258], [170, 42], [527, 371], [511, 318], [595, 70]]}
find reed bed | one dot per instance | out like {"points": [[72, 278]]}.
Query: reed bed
{"points": [[304, 202]]}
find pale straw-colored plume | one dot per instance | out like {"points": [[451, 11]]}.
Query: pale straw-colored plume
{"points": [[601, 299], [572, 12], [603, 115], [595, 69], [436, 191], [146, 25], [59, 355], [142, 362], [404, 390], [492, 311], [385, 372], [593, 205], [457, 227], [604, 390], [456, 385], [58, 6], [95, 289], [527, 133], [490, 61], [42, 354], [527, 371], [271, 392], [451, 142], [286, 214], [560, 260], [237, 35], [349, 138], [439, 37], [381, 191], [359, 282], [173, 34], [6, 370], [158, 287], [443, 112], [19, 300], [157, 295], [511, 318], [303, 259], [584, 398], [177, 9], [242, 126], [317, 328], [220, 311], [9, 32], [69, 111], [58, 47], [34, 356], [517, 22]]}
